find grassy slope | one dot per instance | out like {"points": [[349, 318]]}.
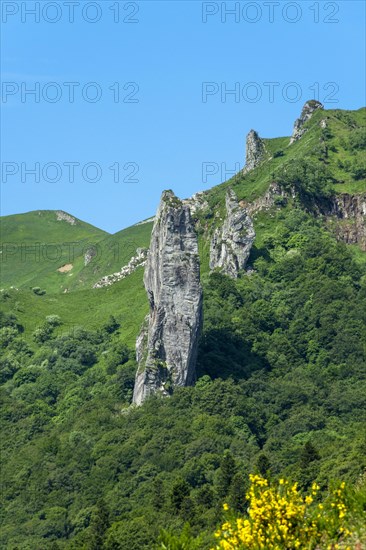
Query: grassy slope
{"points": [[36, 244], [58, 243], [126, 300], [113, 252], [84, 306]]}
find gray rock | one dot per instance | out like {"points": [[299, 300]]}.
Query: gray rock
{"points": [[166, 348], [350, 213], [231, 244], [136, 261], [307, 112], [63, 216], [323, 123], [89, 255], [196, 203], [255, 151], [268, 200]]}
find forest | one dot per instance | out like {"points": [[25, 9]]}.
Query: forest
{"points": [[280, 394]]}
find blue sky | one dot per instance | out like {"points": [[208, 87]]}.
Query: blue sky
{"points": [[167, 121]]}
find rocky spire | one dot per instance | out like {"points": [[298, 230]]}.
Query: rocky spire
{"points": [[307, 112], [254, 151], [166, 348], [231, 244]]}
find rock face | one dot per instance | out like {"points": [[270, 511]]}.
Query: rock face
{"points": [[89, 255], [231, 244], [63, 216], [166, 348], [350, 211], [196, 202], [268, 200], [254, 151], [307, 112]]}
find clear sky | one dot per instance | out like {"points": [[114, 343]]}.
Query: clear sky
{"points": [[131, 98]]}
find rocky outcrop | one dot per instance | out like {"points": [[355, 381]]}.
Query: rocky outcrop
{"points": [[196, 202], [231, 244], [307, 112], [63, 216], [89, 255], [273, 196], [350, 213], [255, 151], [136, 261], [166, 348], [146, 221]]}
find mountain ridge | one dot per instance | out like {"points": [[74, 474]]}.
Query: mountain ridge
{"points": [[280, 367], [360, 112]]}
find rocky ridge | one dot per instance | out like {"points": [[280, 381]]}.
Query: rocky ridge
{"points": [[231, 244], [307, 112], [166, 348], [255, 151]]}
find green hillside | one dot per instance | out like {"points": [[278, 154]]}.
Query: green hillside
{"points": [[44, 226], [281, 370], [36, 244], [338, 149], [113, 252]]}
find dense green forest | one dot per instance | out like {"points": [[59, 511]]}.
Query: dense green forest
{"points": [[280, 389]]}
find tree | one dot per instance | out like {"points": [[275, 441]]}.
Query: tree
{"points": [[117, 355], [263, 464], [308, 454], [158, 497], [237, 492], [226, 473], [111, 325], [309, 458], [184, 541], [179, 492], [98, 525]]}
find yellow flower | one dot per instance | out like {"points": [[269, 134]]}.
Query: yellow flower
{"points": [[280, 517], [225, 507]]}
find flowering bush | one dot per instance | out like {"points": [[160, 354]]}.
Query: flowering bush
{"points": [[280, 517]]}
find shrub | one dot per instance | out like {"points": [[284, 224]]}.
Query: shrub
{"points": [[185, 541], [10, 320], [280, 518], [118, 355], [53, 320], [7, 335], [42, 334], [111, 325], [8, 366], [38, 291]]}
